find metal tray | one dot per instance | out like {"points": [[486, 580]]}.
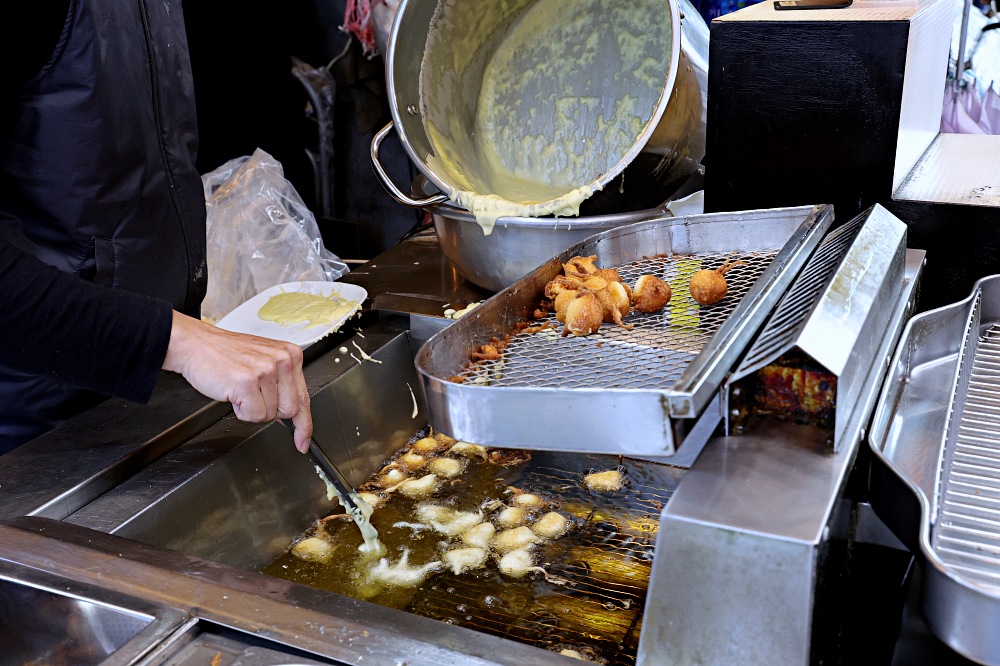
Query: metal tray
{"points": [[935, 478], [635, 392]]}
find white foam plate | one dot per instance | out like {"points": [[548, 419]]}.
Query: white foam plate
{"points": [[245, 319]]}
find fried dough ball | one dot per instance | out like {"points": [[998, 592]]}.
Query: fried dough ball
{"points": [[650, 293], [609, 274], [551, 525], [528, 500], [402, 574], [487, 352], [413, 460], [313, 549], [426, 445], [513, 539], [562, 301], [579, 312], [460, 560], [374, 500], [610, 480], [708, 286], [445, 440], [480, 535], [512, 516], [562, 283], [595, 283], [422, 487], [584, 314], [467, 450], [393, 477], [615, 302], [447, 468], [518, 563], [581, 266], [448, 521], [573, 654]]}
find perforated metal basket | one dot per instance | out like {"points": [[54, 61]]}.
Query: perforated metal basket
{"points": [[633, 392]]}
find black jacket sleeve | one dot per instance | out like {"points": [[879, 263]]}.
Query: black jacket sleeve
{"points": [[53, 323], [56, 324]]}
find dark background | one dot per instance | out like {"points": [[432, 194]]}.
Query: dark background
{"points": [[241, 55]]}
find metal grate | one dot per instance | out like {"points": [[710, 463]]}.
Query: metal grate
{"points": [[653, 354], [606, 560], [967, 531], [790, 315]]}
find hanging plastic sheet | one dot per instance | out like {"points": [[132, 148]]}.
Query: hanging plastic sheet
{"points": [[260, 234]]}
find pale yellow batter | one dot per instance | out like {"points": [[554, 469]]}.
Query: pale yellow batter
{"points": [[290, 308], [566, 90]]}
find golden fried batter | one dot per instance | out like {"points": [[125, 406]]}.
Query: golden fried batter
{"points": [[650, 293], [584, 314]]}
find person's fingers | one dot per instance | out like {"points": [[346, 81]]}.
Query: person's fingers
{"points": [[269, 386], [262, 378], [249, 400], [303, 427], [293, 397]]}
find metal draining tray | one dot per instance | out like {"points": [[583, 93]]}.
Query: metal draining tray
{"points": [[635, 392], [936, 473], [833, 320]]}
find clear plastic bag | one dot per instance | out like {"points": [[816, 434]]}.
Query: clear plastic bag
{"points": [[260, 234]]}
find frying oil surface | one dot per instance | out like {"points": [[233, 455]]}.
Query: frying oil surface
{"points": [[585, 591]]}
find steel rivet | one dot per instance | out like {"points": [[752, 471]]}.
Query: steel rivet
{"points": [[412, 109]]}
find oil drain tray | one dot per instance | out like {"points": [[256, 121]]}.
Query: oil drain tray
{"points": [[936, 472], [637, 392]]}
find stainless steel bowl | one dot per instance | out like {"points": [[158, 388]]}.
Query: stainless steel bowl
{"points": [[517, 245]]}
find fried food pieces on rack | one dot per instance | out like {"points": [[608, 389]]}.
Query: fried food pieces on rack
{"points": [[584, 313], [581, 275], [585, 296], [650, 293], [708, 286]]}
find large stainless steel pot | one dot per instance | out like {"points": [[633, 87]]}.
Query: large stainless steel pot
{"points": [[675, 130], [517, 245]]}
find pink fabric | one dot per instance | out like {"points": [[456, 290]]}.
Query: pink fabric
{"points": [[358, 22], [968, 112], [990, 115]]}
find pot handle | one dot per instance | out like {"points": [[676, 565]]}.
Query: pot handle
{"points": [[387, 183]]}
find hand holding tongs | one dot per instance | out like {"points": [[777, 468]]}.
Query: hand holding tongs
{"points": [[339, 482]]}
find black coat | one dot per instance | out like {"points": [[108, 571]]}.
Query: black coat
{"points": [[98, 182]]}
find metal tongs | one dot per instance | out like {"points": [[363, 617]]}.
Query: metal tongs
{"points": [[332, 474]]}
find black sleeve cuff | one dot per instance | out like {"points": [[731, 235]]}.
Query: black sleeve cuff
{"points": [[55, 324]]}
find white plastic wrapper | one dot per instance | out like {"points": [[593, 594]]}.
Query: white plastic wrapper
{"points": [[383, 13], [260, 234]]}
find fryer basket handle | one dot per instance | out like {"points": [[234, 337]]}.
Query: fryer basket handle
{"points": [[387, 183]]}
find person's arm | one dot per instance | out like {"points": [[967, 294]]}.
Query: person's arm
{"points": [[55, 324], [116, 342]]}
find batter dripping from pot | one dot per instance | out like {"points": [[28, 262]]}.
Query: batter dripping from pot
{"points": [[545, 127]]}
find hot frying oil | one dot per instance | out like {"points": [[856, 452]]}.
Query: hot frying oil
{"points": [[589, 596]]}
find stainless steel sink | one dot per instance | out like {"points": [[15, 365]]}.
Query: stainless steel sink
{"points": [[48, 620]]}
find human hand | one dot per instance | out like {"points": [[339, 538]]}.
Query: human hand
{"points": [[262, 378]]}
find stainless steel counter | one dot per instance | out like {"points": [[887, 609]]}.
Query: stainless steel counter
{"points": [[109, 470]]}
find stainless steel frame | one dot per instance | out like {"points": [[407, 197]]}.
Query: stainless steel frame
{"points": [[736, 567], [740, 547]]}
